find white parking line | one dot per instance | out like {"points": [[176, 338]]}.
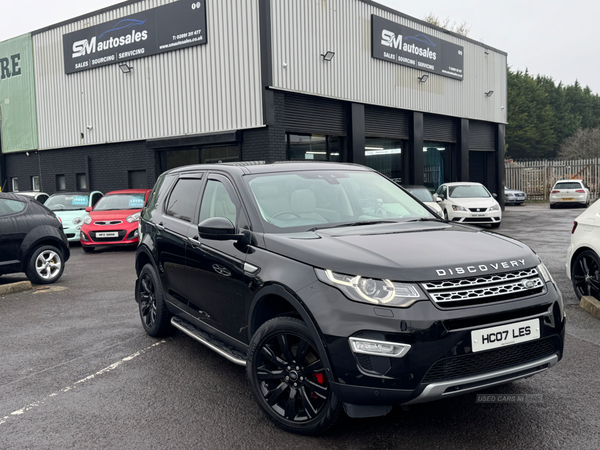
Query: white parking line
{"points": [[33, 405]]}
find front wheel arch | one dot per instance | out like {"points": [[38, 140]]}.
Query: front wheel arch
{"points": [[298, 311]]}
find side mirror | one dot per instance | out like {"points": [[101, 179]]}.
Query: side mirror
{"points": [[218, 229], [88, 209], [494, 195], [439, 199]]}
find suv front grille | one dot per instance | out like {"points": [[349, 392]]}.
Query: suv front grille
{"points": [[485, 289], [498, 359]]}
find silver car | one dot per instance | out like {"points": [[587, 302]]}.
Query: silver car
{"points": [[514, 196]]}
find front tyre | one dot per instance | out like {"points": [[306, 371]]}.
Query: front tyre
{"points": [[155, 316], [87, 249], [288, 378], [585, 274], [45, 265], [495, 225]]}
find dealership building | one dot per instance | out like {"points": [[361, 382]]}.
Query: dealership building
{"points": [[112, 99]]}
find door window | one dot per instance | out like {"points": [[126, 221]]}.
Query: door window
{"points": [[184, 198], [217, 202]]}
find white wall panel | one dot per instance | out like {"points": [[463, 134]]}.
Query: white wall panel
{"points": [[206, 88], [304, 29]]}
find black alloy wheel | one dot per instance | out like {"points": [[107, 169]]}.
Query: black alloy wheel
{"points": [[585, 274], [153, 311], [288, 377]]}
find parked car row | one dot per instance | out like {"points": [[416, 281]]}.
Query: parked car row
{"points": [[36, 229]]}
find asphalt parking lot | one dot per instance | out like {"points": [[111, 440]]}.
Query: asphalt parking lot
{"points": [[78, 371]]}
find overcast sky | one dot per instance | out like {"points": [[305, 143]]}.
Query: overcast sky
{"points": [[556, 38]]}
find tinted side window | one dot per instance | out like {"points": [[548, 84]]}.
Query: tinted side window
{"points": [[8, 207], [183, 199], [217, 202]]}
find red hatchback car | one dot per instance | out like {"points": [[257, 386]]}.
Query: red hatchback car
{"points": [[114, 219]]}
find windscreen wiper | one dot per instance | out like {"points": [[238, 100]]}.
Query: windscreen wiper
{"points": [[354, 224]]}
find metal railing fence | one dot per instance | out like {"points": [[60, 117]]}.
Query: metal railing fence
{"points": [[536, 178]]}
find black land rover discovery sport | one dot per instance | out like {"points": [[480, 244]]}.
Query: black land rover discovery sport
{"points": [[339, 290]]}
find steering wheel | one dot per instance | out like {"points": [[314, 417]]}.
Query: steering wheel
{"points": [[281, 213]]}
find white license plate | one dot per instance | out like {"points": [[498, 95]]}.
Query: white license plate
{"points": [[504, 335], [107, 234], [478, 215]]}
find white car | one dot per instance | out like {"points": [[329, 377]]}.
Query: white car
{"points": [[468, 202], [423, 194], [583, 262], [570, 192]]}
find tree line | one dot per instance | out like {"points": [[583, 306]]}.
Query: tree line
{"points": [[548, 120]]}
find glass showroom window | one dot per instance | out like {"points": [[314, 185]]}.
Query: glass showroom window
{"points": [[437, 164], [35, 183], [314, 147], [385, 156]]}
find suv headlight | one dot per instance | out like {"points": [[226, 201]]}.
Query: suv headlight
{"points": [[495, 208], [133, 218], [372, 290], [87, 219], [458, 208], [543, 271]]}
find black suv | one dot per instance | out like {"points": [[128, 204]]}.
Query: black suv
{"points": [[339, 290], [31, 240]]}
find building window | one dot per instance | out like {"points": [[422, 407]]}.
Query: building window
{"points": [[315, 147], [221, 154], [82, 184], [385, 156], [61, 183], [35, 183], [199, 155], [15, 185]]}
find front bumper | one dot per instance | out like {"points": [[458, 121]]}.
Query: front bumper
{"points": [[485, 217], [125, 236], [72, 232], [440, 362]]}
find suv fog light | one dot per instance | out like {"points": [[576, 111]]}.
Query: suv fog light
{"points": [[378, 348]]}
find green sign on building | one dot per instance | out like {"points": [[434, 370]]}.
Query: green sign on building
{"points": [[18, 123]]}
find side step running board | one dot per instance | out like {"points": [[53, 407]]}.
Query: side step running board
{"points": [[210, 341]]}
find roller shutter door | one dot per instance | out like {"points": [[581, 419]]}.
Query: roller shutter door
{"points": [[439, 128], [386, 122], [314, 115], [482, 136]]}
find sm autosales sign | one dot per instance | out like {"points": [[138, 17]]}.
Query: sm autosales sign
{"points": [[166, 28], [398, 44]]}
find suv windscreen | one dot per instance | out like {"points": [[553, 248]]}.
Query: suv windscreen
{"points": [[303, 200], [67, 202], [468, 191]]}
